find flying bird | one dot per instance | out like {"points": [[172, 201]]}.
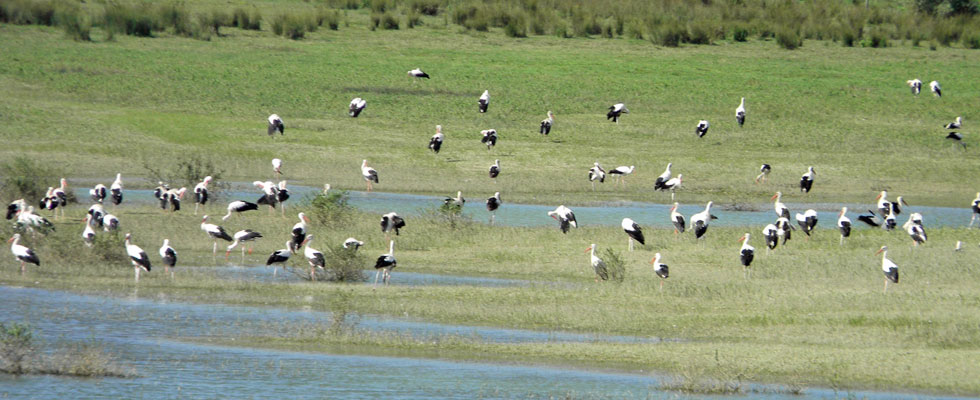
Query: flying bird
{"points": [[633, 231], [484, 101], [356, 106], [547, 123], [436, 142], [276, 125], [702, 128], [615, 111]]}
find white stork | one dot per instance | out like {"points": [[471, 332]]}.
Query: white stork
{"points": [[50, 202], [615, 111], [955, 125], [391, 221], [936, 90], [23, 253], [238, 207], [633, 231], [15, 207], [890, 220], [270, 194], [493, 204], [959, 246], [279, 257], [844, 224], [740, 113], [110, 223], [702, 128], [887, 267], [673, 184], [31, 221], [88, 234], [700, 221], [915, 85], [781, 209], [159, 190], [457, 201], [351, 243], [784, 229], [369, 174], [282, 194], [915, 229], [763, 173], [771, 234], [436, 142], [484, 101], [975, 207], [677, 220], [98, 214], [356, 106], [417, 74], [489, 138], [806, 181], [299, 232], [565, 218], [242, 236], [957, 138], [663, 178], [169, 257], [598, 265], [98, 193], [137, 256], [547, 123], [807, 221], [660, 269], [313, 256], [201, 193], [277, 167], [495, 170], [385, 263], [746, 253], [116, 190], [596, 173], [215, 232], [621, 171], [276, 124]]}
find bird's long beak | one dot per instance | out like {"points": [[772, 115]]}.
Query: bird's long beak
{"points": [[653, 259], [305, 218], [552, 216], [673, 208], [904, 202], [586, 250], [878, 197], [10, 240], [741, 238], [774, 197], [879, 251]]}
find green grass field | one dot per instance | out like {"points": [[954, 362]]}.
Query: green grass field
{"points": [[90, 110]]}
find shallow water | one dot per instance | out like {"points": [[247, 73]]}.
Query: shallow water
{"points": [[265, 274], [645, 214], [141, 333]]}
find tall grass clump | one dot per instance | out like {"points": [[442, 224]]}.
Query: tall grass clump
{"points": [[342, 265], [516, 25], [214, 19], [425, 7], [615, 265], [25, 178], [175, 15], [668, 34], [788, 38], [129, 19], [76, 23], [413, 19], [27, 12], [331, 209], [186, 171], [250, 19], [329, 17], [16, 347], [289, 25], [20, 353]]}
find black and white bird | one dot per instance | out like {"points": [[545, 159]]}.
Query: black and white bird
{"points": [[740, 113], [663, 178], [356, 106], [777, 204], [673, 184], [110, 223], [241, 237], [385, 263], [32, 222], [15, 207], [763, 176], [957, 138], [495, 170], [201, 194], [889, 268], [158, 191], [598, 265], [314, 257], [746, 254], [936, 90], [890, 220], [98, 214], [116, 190], [870, 219], [700, 221], [88, 234], [270, 195], [276, 125], [489, 138], [391, 222], [457, 201], [171, 198], [806, 181], [169, 256], [615, 111], [277, 167], [547, 123], [417, 74], [137, 256], [807, 221], [885, 206], [215, 232], [280, 256], [565, 218], [62, 195], [955, 125], [98, 193], [974, 206], [351, 243], [369, 174], [484, 101], [23, 253], [677, 220], [702, 128], [238, 207], [660, 269], [493, 203], [915, 228], [771, 234], [298, 232], [621, 171], [596, 173], [915, 85], [50, 202], [784, 229], [282, 194], [843, 224], [435, 143], [633, 231]]}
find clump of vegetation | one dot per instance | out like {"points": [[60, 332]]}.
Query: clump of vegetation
{"points": [[413, 19], [77, 24], [449, 214], [21, 354], [214, 20], [289, 25], [243, 18], [130, 19], [615, 265], [329, 17], [331, 209], [176, 16], [426, 7], [25, 178], [669, 34], [187, 171], [788, 38], [27, 12], [16, 348], [740, 33], [341, 265], [516, 26]]}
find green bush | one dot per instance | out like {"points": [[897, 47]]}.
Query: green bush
{"points": [[27, 12], [413, 19], [214, 19], [331, 209], [699, 33], [175, 15], [615, 265], [427, 7], [16, 348], [740, 34], [247, 19], [341, 265], [329, 17], [669, 34], [186, 171], [788, 38], [76, 23], [25, 178], [971, 40], [388, 21], [516, 26], [292, 26], [130, 20], [875, 39]]}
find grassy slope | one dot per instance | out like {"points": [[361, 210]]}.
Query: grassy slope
{"points": [[844, 110]]}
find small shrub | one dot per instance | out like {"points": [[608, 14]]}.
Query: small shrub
{"points": [[247, 19], [388, 21], [331, 209], [25, 178], [342, 265], [186, 171], [214, 20], [329, 17], [669, 34], [788, 38], [76, 23], [634, 29], [561, 29], [740, 34], [175, 15], [699, 33], [291, 26], [16, 348], [971, 40], [130, 20], [413, 19], [427, 7], [516, 26], [877, 39], [27, 12], [615, 265]]}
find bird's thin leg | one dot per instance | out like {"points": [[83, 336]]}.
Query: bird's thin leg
{"points": [[886, 286], [491, 219], [841, 240], [196, 205], [671, 195], [661, 285], [376, 274], [275, 269], [137, 274], [172, 273], [243, 255], [631, 244], [23, 267], [972, 219], [593, 186], [312, 276], [214, 249], [282, 207]]}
